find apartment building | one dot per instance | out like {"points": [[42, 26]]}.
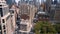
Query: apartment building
{"points": [[26, 13], [5, 19]]}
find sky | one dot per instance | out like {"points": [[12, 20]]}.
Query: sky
{"points": [[17, 1]]}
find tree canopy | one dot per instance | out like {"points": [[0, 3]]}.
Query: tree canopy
{"points": [[44, 27]]}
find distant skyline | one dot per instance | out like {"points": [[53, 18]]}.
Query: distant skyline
{"points": [[41, 1], [36, 0]]}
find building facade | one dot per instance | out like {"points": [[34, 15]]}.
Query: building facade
{"points": [[5, 23], [26, 14]]}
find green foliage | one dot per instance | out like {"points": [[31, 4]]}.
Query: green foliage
{"points": [[57, 27], [37, 32], [38, 26], [44, 27]]}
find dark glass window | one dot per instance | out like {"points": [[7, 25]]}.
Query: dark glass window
{"points": [[0, 5], [4, 27], [12, 11], [0, 27], [3, 20], [1, 12], [4, 30]]}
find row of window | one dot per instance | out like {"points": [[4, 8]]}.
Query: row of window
{"points": [[3, 21], [3, 11], [3, 28]]}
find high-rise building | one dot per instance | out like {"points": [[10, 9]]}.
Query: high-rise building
{"points": [[53, 9], [57, 13], [5, 19], [50, 7], [26, 17]]}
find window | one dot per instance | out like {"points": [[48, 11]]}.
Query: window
{"points": [[4, 31], [0, 27], [11, 11], [3, 20], [4, 27], [0, 5], [1, 12]]}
